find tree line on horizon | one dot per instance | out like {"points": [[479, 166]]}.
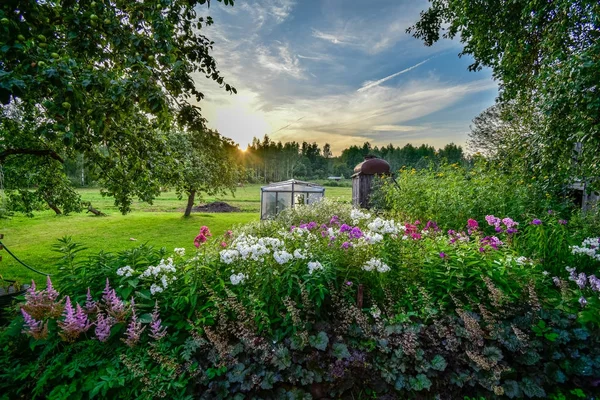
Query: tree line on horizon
{"points": [[267, 160]]}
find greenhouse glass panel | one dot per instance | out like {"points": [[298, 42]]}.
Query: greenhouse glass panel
{"points": [[278, 196]]}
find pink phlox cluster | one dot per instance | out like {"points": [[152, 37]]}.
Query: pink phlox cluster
{"points": [[490, 241], [42, 304], [90, 305], [202, 236], [511, 225], [75, 322], [472, 226], [103, 324], [113, 304], [157, 331], [412, 230], [34, 328], [134, 329], [457, 236]]}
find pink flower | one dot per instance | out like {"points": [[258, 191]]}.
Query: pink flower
{"points": [[199, 240], [113, 304], [42, 304], [90, 305], [134, 329], [33, 327], [75, 322], [103, 325], [157, 331], [223, 244]]}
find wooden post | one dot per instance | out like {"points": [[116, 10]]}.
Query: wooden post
{"points": [[359, 296]]}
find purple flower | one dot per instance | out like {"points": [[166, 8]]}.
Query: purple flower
{"points": [[581, 280], [510, 231], [103, 325], [356, 233], [536, 222], [498, 229], [594, 283], [431, 225], [50, 292], [346, 245], [157, 331], [312, 225], [114, 305], [345, 228], [492, 221], [90, 305], [134, 329], [563, 221], [442, 254], [292, 228], [582, 301], [33, 327], [509, 223], [550, 212], [348, 283], [75, 322], [335, 220], [491, 241]]}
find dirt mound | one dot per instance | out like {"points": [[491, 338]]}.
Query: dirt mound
{"points": [[216, 207]]}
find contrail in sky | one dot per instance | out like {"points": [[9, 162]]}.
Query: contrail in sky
{"points": [[387, 78]]}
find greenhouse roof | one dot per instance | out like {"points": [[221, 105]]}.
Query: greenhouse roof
{"points": [[293, 185]]}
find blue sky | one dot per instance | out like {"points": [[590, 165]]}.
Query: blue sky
{"points": [[338, 71]]}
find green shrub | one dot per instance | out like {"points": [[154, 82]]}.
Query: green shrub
{"points": [[342, 305]]}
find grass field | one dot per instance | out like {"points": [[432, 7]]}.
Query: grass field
{"points": [[158, 224]]}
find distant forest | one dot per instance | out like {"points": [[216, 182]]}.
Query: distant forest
{"points": [[269, 161]]}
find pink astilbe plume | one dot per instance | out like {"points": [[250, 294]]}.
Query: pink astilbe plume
{"points": [[157, 331], [42, 304], [34, 328], [134, 329], [114, 305], [103, 325], [75, 322], [90, 305]]}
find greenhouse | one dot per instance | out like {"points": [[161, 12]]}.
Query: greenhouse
{"points": [[278, 196]]}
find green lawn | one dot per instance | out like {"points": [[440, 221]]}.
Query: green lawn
{"points": [[159, 224]]}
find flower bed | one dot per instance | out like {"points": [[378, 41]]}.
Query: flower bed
{"points": [[326, 301]]}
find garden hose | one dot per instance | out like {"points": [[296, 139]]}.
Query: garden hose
{"points": [[3, 246]]}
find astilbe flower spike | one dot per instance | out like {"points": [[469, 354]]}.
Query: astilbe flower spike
{"points": [[134, 329], [157, 331], [42, 304], [114, 305], [103, 324], [34, 328], [90, 305], [75, 322]]}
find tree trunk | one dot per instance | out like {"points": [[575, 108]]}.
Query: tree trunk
{"points": [[54, 208], [190, 203]]}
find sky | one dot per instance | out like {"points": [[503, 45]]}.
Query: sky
{"points": [[341, 72]]}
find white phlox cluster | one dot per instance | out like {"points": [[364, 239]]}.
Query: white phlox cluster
{"points": [[162, 274], [380, 225], [376, 264], [371, 237], [125, 271], [180, 251], [248, 247], [282, 256], [236, 279], [300, 254], [589, 247], [356, 216], [313, 266]]}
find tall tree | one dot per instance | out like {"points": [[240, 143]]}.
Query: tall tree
{"points": [[102, 78], [545, 55]]}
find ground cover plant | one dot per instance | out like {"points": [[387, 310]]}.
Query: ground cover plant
{"points": [[325, 301]]}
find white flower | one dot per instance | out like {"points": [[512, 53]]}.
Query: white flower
{"points": [[589, 247], [229, 256], [372, 238], [521, 260], [180, 251], [375, 263], [299, 254], [282, 256], [357, 215], [125, 271], [380, 225], [236, 279], [155, 288], [313, 266]]}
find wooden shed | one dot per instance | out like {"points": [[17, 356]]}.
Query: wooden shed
{"points": [[362, 180]]}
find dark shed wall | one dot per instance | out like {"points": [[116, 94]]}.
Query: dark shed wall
{"points": [[361, 190]]}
